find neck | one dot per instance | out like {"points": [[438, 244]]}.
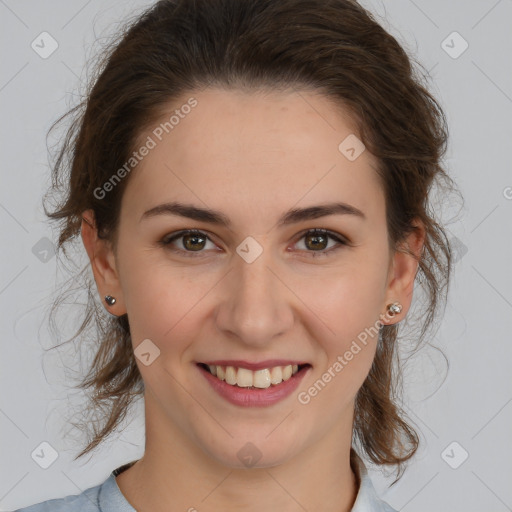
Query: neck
{"points": [[175, 474]]}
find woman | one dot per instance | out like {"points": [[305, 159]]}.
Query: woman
{"points": [[250, 179]]}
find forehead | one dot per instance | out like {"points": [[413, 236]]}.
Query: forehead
{"points": [[254, 152]]}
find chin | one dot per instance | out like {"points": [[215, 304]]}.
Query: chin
{"points": [[252, 451]]}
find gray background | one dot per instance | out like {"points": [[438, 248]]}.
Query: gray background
{"points": [[469, 405]]}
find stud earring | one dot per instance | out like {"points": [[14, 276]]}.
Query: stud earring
{"points": [[110, 300], [394, 308]]}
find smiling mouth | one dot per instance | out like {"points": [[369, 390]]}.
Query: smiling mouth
{"points": [[259, 379]]}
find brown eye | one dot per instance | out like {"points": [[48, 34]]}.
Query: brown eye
{"points": [[192, 241], [316, 242]]}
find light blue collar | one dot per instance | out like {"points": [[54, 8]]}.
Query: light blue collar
{"points": [[111, 499]]}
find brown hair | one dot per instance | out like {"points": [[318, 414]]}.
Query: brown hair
{"points": [[335, 47]]}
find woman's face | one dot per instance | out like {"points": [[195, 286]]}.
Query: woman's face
{"points": [[252, 288]]}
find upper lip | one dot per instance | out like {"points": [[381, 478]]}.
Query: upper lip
{"points": [[260, 365]]}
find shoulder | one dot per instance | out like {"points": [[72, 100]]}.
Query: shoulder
{"points": [[367, 499], [104, 497], [87, 501]]}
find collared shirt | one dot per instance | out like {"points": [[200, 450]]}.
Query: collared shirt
{"points": [[107, 497]]}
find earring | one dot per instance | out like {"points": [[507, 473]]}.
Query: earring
{"points": [[110, 300], [394, 308]]}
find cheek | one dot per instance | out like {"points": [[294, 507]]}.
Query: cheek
{"points": [[162, 299], [346, 300], [339, 302], [348, 310], [347, 303]]}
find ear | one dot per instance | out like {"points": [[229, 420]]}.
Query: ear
{"points": [[103, 264], [402, 273]]}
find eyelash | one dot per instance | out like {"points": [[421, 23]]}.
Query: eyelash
{"points": [[167, 240]]}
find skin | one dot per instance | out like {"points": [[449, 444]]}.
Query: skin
{"points": [[252, 156]]}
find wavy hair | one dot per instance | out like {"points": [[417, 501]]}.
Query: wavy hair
{"points": [[335, 47]]}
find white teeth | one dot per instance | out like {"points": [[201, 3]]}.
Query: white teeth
{"points": [[245, 378], [231, 375], [287, 372], [276, 375], [261, 378]]}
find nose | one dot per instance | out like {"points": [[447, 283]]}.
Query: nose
{"points": [[257, 305]]}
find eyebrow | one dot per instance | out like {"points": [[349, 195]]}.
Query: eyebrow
{"points": [[292, 216]]}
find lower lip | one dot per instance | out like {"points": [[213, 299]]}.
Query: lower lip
{"points": [[254, 397]]}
